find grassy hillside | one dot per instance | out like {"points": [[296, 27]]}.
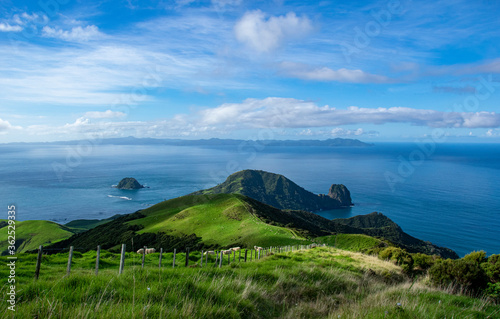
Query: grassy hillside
{"points": [[352, 242], [32, 233], [80, 225], [209, 221], [222, 220], [317, 283]]}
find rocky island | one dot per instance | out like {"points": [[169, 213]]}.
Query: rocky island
{"points": [[129, 183]]}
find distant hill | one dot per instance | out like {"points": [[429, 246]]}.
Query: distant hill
{"points": [[280, 192], [335, 142], [79, 225], [32, 233], [225, 220]]}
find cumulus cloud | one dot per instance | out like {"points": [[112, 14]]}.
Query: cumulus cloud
{"points": [[105, 115], [293, 113], [5, 27], [76, 34], [306, 72], [339, 132], [19, 22], [265, 35], [6, 126]]}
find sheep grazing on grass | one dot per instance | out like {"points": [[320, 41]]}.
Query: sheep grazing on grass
{"points": [[150, 250], [235, 248], [227, 252], [210, 252], [258, 248], [140, 251]]}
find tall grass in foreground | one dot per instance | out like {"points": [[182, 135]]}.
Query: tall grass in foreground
{"points": [[318, 283]]}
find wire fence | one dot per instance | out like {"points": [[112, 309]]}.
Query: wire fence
{"points": [[214, 258]]}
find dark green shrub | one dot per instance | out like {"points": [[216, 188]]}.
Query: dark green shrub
{"points": [[400, 256], [465, 274], [469, 274], [492, 268], [441, 272], [493, 291], [423, 261], [477, 257]]}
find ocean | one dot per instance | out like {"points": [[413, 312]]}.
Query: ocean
{"points": [[447, 194]]}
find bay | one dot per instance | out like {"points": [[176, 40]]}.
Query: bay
{"points": [[447, 194]]}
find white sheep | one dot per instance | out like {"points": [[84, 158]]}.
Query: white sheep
{"points": [[210, 252], [235, 248], [140, 251], [150, 250], [258, 248]]}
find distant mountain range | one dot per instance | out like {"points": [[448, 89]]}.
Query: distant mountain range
{"points": [[341, 142]]}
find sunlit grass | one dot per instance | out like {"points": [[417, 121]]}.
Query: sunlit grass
{"points": [[316, 283]]}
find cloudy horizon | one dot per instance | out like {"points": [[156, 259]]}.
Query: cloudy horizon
{"points": [[374, 70]]}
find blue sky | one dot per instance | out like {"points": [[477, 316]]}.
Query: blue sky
{"points": [[395, 70]]}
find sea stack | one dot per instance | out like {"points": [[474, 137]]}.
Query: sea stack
{"points": [[341, 194], [129, 183]]}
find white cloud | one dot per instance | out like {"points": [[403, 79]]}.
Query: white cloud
{"points": [[105, 115], [5, 27], [305, 72], [293, 113], [6, 126], [265, 35], [338, 131], [493, 133], [76, 34]]}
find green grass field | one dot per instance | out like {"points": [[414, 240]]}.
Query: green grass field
{"points": [[316, 283], [33, 233], [352, 242], [222, 220]]}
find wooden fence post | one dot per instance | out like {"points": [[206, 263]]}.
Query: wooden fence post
{"points": [[259, 254], [70, 257], [206, 259], [228, 258], [122, 259], [201, 259], [173, 264], [216, 258], [187, 257], [143, 255], [161, 255], [246, 252], [38, 262], [239, 259], [97, 257], [220, 259]]}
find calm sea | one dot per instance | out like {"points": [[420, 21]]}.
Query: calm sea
{"points": [[448, 195]]}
